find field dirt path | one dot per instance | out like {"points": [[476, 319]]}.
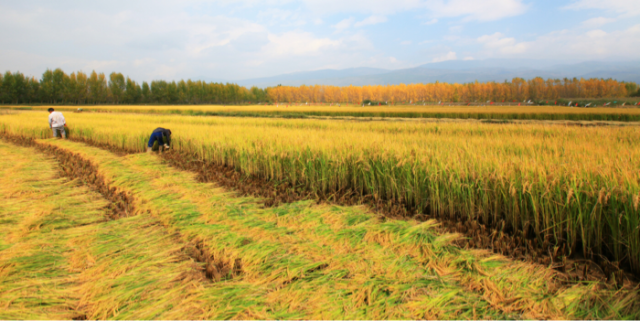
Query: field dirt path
{"points": [[302, 260]]}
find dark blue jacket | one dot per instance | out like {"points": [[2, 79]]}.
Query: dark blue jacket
{"points": [[166, 133]]}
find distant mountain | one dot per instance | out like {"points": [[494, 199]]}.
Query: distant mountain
{"points": [[457, 72], [311, 77], [491, 63]]}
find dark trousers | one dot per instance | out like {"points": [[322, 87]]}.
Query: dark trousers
{"points": [[156, 137]]}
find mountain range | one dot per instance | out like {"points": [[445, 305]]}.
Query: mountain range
{"points": [[455, 72]]}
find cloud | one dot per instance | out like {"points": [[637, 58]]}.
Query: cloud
{"points": [[579, 45], [497, 42], [147, 43], [375, 7], [344, 24], [372, 20], [485, 10], [351, 22], [597, 22], [624, 7], [468, 58], [298, 44], [446, 57], [229, 39]]}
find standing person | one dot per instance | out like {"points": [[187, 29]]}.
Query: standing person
{"points": [[162, 136], [57, 123]]}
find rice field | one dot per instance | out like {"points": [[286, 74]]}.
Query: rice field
{"points": [[63, 256], [444, 111], [573, 191]]}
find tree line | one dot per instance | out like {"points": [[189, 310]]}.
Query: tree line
{"points": [[516, 90], [57, 87]]}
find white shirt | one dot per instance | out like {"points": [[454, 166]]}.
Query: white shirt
{"points": [[56, 119]]}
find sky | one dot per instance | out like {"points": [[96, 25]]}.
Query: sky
{"points": [[231, 40]]}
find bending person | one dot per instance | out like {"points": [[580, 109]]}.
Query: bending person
{"points": [[160, 135], [57, 123]]}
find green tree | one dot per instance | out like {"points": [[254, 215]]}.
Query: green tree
{"points": [[132, 92], [1, 89], [117, 86], [46, 85], [146, 93], [159, 91], [82, 87], [8, 94], [33, 90]]}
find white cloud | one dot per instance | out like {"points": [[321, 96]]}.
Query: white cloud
{"points": [[596, 34], [376, 7], [152, 43], [597, 22], [371, 21], [344, 24], [298, 43], [485, 10], [351, 22], [275, 14], [282, 18], [192, 38], [446, 57], [468, 58], [624, 7], [497, 42], [579, 45]]}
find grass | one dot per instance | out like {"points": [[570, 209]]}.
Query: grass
{"points": [[453, 111]]}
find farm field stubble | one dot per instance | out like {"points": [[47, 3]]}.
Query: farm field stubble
{"points": [[60, 258], [570, 191], [298, 260], [447, 111]]}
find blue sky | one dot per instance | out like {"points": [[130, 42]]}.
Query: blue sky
{"points": [[232, 40]]}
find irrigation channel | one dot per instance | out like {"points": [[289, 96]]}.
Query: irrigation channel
{"points": [[172, 245]]}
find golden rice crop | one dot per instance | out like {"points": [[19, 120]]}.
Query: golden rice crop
{"points": [[302, 260], [399, 111], [576, 186]]}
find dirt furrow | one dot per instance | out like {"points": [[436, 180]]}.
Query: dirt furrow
{"points": [[478, 235], [122, 204]]}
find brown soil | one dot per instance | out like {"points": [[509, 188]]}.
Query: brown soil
{"points": [[75, 167], [215, 268]]}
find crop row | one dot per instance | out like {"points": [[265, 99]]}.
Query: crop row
{"points": [[302, 260], [573, 191], [555, 113]]}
